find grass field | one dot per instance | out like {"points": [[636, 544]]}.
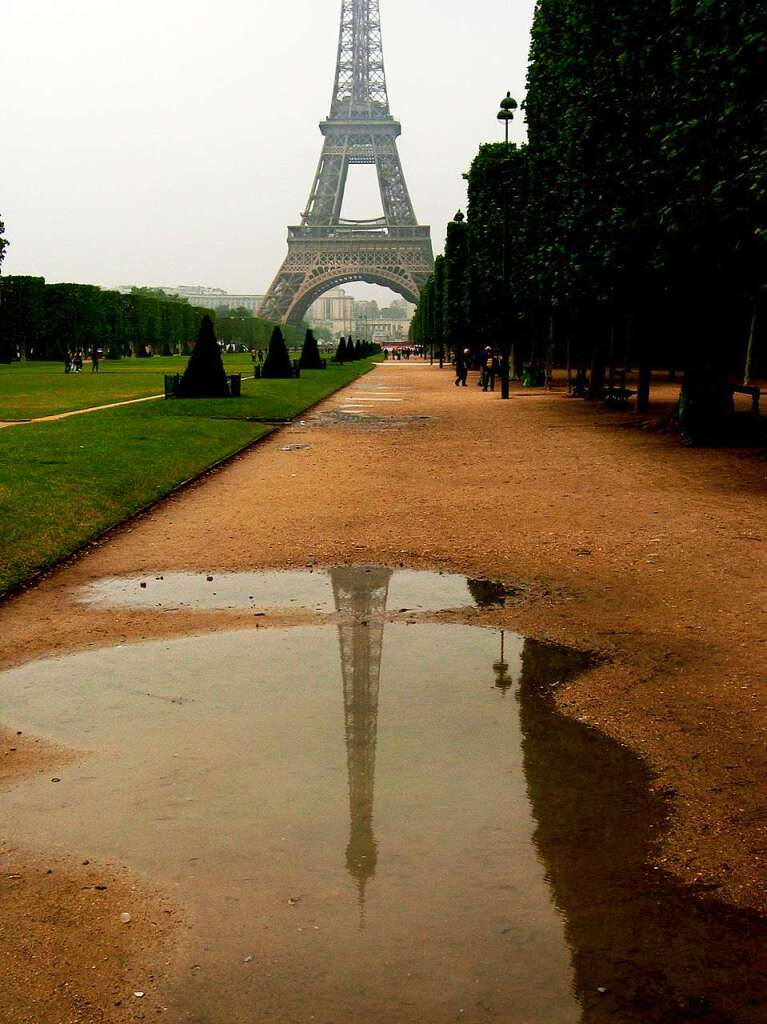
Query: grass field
{"points": [[30, 390], [63, 483]]}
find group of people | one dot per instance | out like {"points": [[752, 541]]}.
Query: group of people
{"points": [[489, 367], [399, 353], [73, 360]]}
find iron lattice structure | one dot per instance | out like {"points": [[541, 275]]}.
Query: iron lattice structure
{"points": [[360, 600], [325, 251]]}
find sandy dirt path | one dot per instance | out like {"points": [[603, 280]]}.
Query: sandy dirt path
{"points": [[618, 540]]}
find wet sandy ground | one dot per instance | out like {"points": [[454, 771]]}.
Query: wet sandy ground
{"points": [[617, 540]]}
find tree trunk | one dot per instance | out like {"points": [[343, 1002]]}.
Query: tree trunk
{"points": [[750, 348], [611, 358], [645, 380], [550, 352], [596, 389], [706, 402]]}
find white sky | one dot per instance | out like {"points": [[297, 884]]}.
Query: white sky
{"points": [[171, 142]]}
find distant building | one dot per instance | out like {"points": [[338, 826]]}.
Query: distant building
{"points": [[343, 315], [215, 298], [334, 311], [210, 298]]}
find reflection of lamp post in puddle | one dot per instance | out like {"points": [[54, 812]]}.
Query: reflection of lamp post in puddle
{"points": [[503, 680], [360, 599]]}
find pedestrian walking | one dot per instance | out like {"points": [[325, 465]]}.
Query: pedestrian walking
{"points": [[462, 364], [489, 369], [95, 357]]}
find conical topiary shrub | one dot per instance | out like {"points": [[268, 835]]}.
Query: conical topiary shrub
{"points": [[341, 355], [358, 349], [204, 376], [310, 353], [277, 365]]}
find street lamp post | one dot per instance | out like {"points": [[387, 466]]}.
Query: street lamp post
{"points": [[503, 680], [506, 115]]}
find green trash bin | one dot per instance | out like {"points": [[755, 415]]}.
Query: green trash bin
{"points": [[235, 385]]}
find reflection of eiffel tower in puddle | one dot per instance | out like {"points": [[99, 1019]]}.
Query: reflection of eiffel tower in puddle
{"points": [[360, 596]]}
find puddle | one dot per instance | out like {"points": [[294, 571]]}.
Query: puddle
{"points": [[319, 591], [371, 821], [339, 418]]}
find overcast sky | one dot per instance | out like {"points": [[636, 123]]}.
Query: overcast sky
{"points": [[171, 142]]}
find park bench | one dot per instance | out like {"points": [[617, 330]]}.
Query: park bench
{"points": [[754, 392], [578, 385], [617, 394], [533, 375]]}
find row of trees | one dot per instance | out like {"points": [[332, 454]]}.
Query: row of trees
{"points": [[3, 242], [635, 218], [240, 327], [350, 351], [44, 321]]}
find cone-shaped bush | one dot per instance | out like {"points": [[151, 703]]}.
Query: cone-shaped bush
{"points": [[204, 376], [358, 349], [341, 354], [310, 353], [277, 365]]}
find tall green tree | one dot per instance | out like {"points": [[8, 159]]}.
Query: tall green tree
{"points": [[5, 342], [3, 241], [437, 307], [22, 318], [457, 290], [635, 217]]}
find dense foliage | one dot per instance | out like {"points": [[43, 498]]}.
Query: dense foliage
{"points": [[3, 242], [44, 321], [239, 327], [636, 215], [455, 316]]}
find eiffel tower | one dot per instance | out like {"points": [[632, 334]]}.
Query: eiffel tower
{"points": [[326, 251], [360, 597]]}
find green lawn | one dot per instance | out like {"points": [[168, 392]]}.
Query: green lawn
{"points": [[29, 390], [62, 483]]}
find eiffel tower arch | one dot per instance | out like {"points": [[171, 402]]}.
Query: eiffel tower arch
{"points": [[325, 250]]}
